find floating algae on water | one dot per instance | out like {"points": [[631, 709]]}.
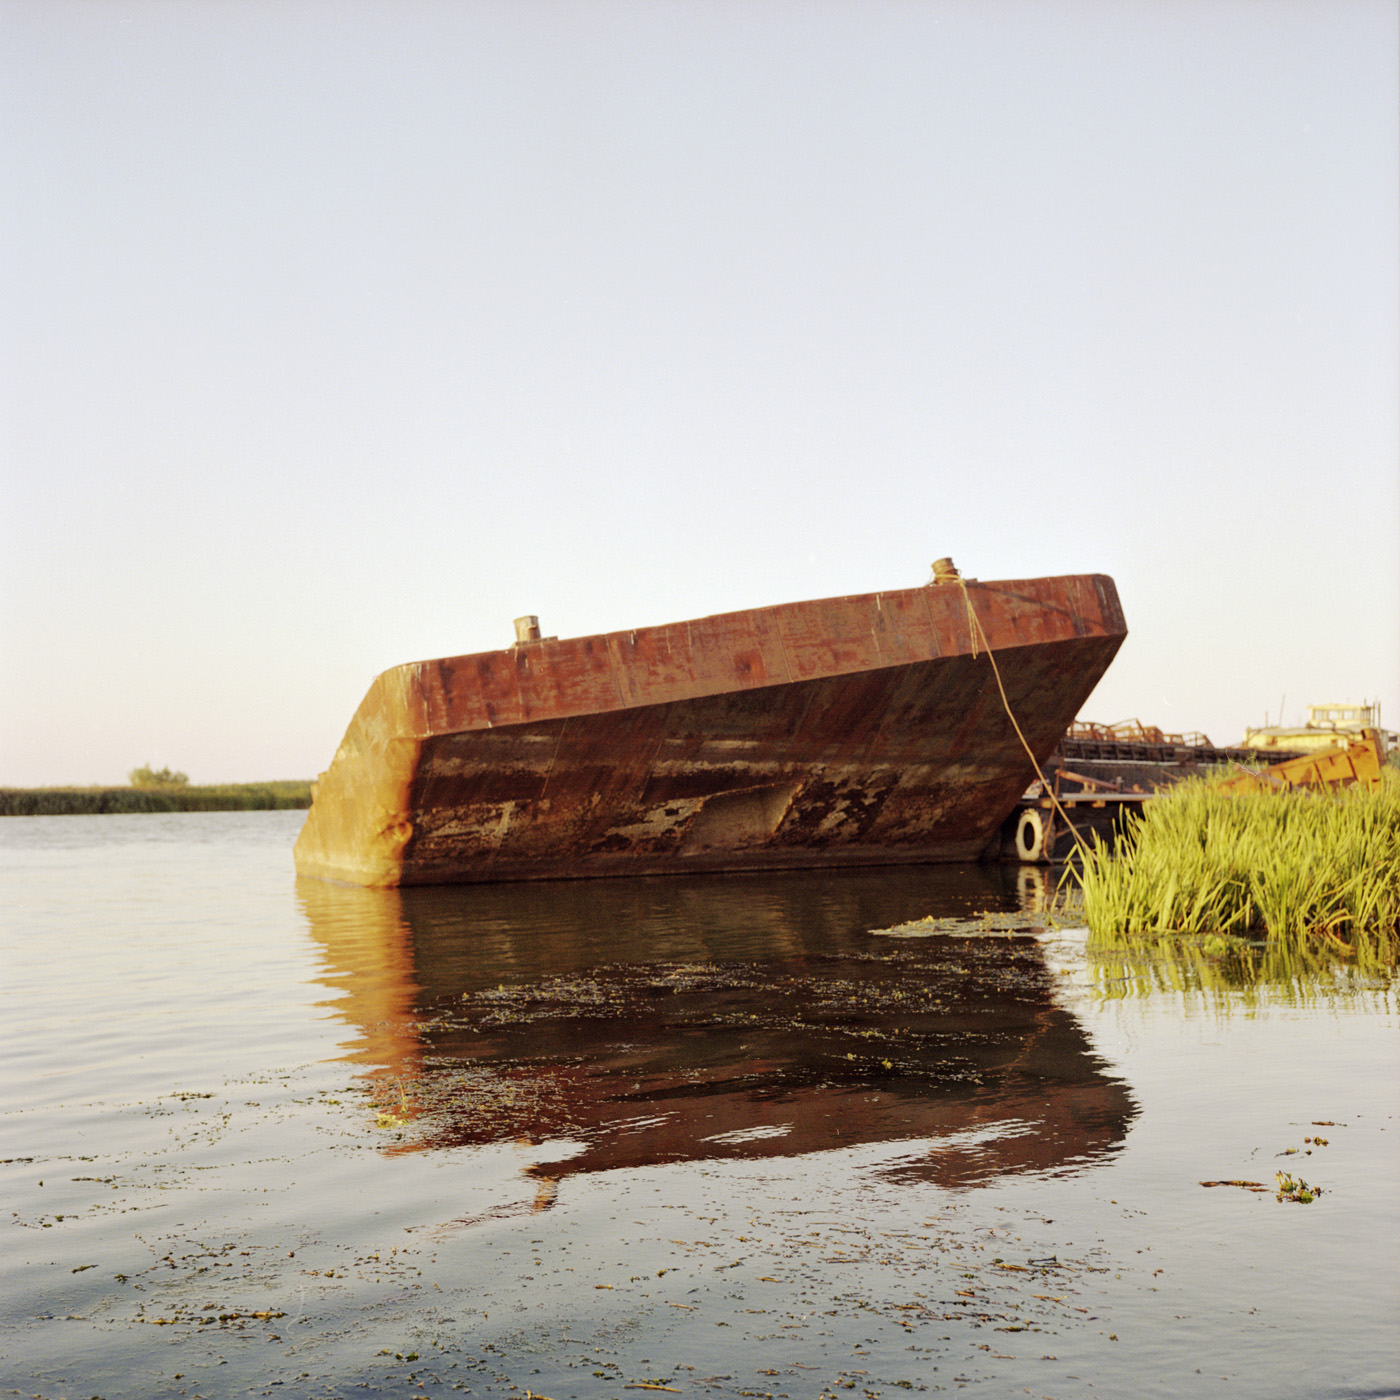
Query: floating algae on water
{"points": [[982, 925]]}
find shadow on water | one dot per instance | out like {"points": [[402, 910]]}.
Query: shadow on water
{"points": [[631, 1023]]}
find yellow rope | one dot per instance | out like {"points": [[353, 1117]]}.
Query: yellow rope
{"points": [[975, 629]]}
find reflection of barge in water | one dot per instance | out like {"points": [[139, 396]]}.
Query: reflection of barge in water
{"points": [[848, 731], [639, 1023], [639, 1067]]}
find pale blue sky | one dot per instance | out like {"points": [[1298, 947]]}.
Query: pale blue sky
{"points": [[338, 335]]}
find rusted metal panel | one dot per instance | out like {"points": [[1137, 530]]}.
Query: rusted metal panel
{"points": [[859, 730], [1359, 764]]}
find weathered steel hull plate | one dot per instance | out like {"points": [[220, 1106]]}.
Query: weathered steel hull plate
{"points": [[848, 731]]}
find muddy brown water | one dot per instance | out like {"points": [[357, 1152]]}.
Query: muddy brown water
{"points": [[797, 1135]]}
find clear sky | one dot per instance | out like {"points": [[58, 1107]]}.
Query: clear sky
{"points": [[337, 335]]}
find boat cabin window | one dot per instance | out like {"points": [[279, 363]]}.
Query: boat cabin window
{"points": [[1340, 714]]}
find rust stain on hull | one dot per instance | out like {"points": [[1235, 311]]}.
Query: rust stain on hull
{"points": [[846, 731]]}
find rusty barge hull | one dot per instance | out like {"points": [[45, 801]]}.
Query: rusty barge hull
{"points": [[862, 730]]}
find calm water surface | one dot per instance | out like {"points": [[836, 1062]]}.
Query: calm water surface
{"points": [[740, 1136]]}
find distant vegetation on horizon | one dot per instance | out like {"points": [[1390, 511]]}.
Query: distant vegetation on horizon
{"points": [[169, 796], [148, 777]]}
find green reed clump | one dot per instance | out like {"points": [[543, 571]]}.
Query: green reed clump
{"points": [[1288, 864], [221, 797]]}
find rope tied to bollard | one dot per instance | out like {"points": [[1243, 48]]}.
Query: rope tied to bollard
{"points": [[944, 572]]}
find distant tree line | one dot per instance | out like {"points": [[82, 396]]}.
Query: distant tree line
{"points": [[165, 797], [149, 777]]}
